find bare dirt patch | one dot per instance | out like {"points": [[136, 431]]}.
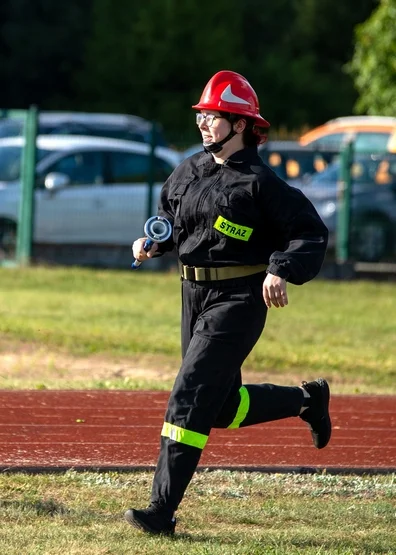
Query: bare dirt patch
{"points": [[27, 361], [26, 365]]}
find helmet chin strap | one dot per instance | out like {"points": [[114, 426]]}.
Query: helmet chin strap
{"points": [[217, 147]]}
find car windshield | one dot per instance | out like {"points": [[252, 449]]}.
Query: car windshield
{"points": [[10, 128], [10, 161], [364, 170], [371, 142], [329, 175]]}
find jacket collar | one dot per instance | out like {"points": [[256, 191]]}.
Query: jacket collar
{"points": [[246, 155]]}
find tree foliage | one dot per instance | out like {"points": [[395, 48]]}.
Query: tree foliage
{"points": [[154, 58], [40, 48], [374, 61], [154, 64]]}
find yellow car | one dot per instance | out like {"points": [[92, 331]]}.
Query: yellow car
{"points": [[369, 133]]}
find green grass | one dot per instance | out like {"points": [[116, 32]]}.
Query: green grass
{"points": [[342, 329], [222, 513], [345, 330], [91, 311]]}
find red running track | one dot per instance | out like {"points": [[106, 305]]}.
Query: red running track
{"points": [[119, 430]]}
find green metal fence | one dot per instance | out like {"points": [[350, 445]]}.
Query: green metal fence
{"points": [[359, 208], [26, 206], [365, 231], [19, 244], [344, 192]]}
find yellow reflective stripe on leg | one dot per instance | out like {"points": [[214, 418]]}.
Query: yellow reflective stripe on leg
{"points": [[243, 408], [181, 435]]}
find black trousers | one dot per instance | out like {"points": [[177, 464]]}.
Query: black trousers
{"points": [[221, 323]]}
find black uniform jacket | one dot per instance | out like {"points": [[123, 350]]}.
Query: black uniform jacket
{"points": [[241, 213]]}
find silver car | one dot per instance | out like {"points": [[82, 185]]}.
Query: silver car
{"points": [[114, 126], [89, 191]]}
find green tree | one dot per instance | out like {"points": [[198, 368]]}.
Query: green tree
{"points": [[40, 48], [373, 64], [322, 42], [153, 59], [154, 62]]}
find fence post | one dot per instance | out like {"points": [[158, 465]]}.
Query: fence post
{"points": [[344, 190], [28, 173], [151, 172]]}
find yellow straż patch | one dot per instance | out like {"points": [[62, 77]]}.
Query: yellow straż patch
{"points": [[233, 230]]}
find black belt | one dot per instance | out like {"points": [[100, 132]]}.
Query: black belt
{"points": [[193, 273]]}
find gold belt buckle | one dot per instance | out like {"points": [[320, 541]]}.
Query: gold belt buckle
{"points": [[203, 274]]}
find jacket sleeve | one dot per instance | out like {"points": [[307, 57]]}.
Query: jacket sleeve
{"points": [[304, 235], [165, 210]]}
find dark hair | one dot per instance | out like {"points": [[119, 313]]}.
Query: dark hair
{"points": [[249, 137]]}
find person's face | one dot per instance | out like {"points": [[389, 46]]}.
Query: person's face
{"points": [[213, 126]]}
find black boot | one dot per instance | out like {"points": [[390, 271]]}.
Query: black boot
{"points": [[317, 412], [151, 520]]}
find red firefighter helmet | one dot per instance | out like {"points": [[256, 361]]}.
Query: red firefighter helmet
{"points": [[228, 91]]}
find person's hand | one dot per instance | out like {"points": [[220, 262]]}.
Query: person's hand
{"points": [[274, 291], [138, 251]]}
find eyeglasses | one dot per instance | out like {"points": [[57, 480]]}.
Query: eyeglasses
{"points": [[208, 119]]}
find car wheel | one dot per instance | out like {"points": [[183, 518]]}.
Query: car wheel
{"points": [[8, 240], [371, 240]]}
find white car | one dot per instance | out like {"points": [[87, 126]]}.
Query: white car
{"points": [[89, 191]]}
